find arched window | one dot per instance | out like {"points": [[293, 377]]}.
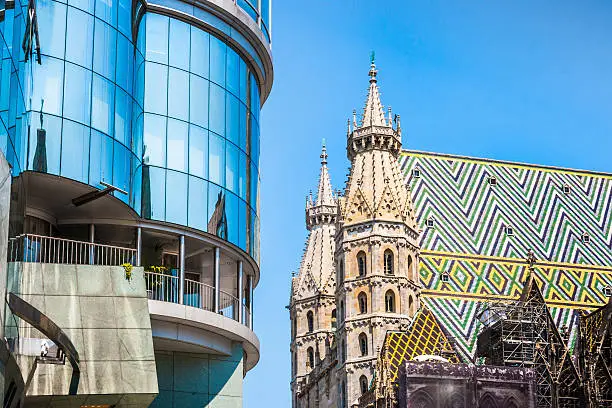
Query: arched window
{"points": [[363, 384], [363, 344], [390, 301], [310, 361], [341, 272], [310, 318], [388, 259], [333, 319], [361, 264], [409, 270], [363, 303], [410, 303]]}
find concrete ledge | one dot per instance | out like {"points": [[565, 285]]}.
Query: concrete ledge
{"points": [[185, 328]]}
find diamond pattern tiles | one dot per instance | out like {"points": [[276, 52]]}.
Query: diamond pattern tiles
{"points": [[424, 337]]}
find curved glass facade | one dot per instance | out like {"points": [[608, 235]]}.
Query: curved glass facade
{"points": [[257, 9], [200, 131]]}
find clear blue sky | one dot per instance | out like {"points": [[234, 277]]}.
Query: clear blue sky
{"points": [[514, 80]]}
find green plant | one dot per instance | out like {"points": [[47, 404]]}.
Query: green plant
{"points": [[128, 270]]}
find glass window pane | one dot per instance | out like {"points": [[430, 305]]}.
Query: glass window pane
{"points": [[199, 52], [105, 45], [156, 80], [124, 18], [254, 141], [87, 5], [254, 190], [153, 193], [177, 145], [217, 61], [51, 27], [232, 164], [254, 97], [216, 211], [198, 101], [107, 11], [48, 86], [176, 197], [198, 202], [121, 169], [45, 145], [178, 94], [243, 75], [136, 192], [75, 151], [233, 72], [198, 151], [242, 229], [243, 126], [242, 176], [265, 12], [125, 56], [101, 159], [231, 209], [217, 109], [154, 140], [103, 102], [216, 169], [79, 37], [179, 44], [123, 117], [78, 88], [137, 133], [232, 119], [157, 38], [140, 85]]}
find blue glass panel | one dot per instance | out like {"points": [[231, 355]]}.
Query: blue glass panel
{"points": [[52, 27], [243, 81], [179, 44], [243, 126], [121, 169], [105, 45], [254, 187], [136, 191], [216, 157], [107, 11], [216, 197], [154, 152], [87, 5], [178, 94], [198, 202], [137, 133], [232, 162], [199, 52], [218, 51], [265, 12], [242, 227], [233, 217], [45, 146], [217, 109], [78, 90], [254, 141], [251, 11], [141, 40], [124, 18], [156, 80], [198, 101], [157, 38], [48, 85], [125, 53], [123, 117], [198, 151], [232, 119], [177, 144], [242, 176], [255, 102], [75, 151], [79, 37], [232, 78], [100, 159], [103, 102], [140, 85], [153, 193], [176, 197]]}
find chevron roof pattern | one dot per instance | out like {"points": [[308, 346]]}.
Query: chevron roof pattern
{"points": [[549, 211]]}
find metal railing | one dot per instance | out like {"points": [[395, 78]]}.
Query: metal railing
{"points": [[165, 288], [42, 249]]}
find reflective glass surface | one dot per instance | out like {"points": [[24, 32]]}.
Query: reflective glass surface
{"points": [[200, 131]]}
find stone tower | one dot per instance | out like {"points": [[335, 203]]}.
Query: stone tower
{"points": [[377, 250], [312, 304]]}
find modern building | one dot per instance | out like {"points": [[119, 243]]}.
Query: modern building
{"points": [[449, 233], [132, 133]]}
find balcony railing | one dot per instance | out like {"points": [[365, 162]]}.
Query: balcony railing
{"points": [[166, 288], [42, 249]]}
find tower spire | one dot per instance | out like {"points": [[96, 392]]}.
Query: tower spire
{"points": [[373, 113]]}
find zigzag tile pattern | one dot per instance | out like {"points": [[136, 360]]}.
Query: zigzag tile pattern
{"points": [[469, 240]]}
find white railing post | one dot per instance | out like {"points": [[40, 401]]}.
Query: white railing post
{"points": [[217, 278], [138, 245], [92, 233], [240, 294], [181, 269]]}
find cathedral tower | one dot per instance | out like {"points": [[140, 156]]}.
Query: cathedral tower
{"points": [[377, 250], [312, 304]]}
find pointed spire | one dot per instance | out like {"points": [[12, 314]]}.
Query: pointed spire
{"points": [[373, 113], [324, 193]]}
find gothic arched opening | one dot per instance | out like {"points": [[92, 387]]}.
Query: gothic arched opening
{"points": [[363, 344], [390, 301], [363, 384], [310, 321], [310, 357], [362, 299], [388, 261], [361, 264]]}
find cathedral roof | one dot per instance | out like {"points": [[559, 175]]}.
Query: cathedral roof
{"points": [[316, 275]]}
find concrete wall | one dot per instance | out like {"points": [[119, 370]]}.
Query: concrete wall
{"points": [[107, 319], [198, 380]]}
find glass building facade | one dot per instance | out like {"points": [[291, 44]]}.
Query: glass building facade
{"points": [[164, 109]]}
